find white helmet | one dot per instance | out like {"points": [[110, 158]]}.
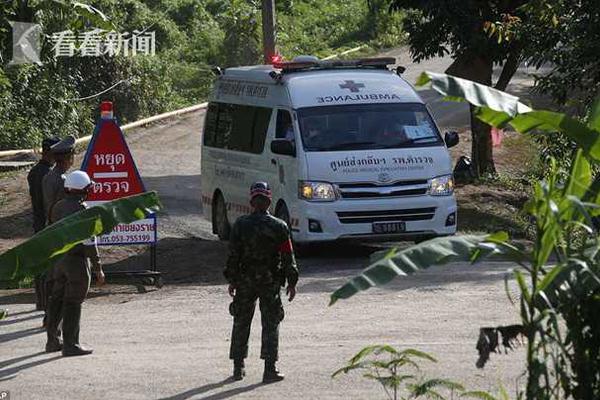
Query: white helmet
{"points": [[77, 180]]}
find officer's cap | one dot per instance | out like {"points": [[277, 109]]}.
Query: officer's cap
{"points": [[47, 143], [260, 189], [65, 146]]}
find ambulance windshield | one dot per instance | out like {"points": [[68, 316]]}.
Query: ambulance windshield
{"points": [[367, 126]]}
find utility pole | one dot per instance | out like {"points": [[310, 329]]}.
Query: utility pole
{"points": [[268, 24]]}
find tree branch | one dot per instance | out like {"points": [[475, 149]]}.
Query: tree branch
{"points": [[510, 67]]}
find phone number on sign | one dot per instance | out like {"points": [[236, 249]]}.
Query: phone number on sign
{"points": [[126, 239]]}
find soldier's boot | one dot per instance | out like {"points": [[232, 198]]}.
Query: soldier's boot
{"points": [[52, 323], [71, 319], [271, 373], [239, 370]]}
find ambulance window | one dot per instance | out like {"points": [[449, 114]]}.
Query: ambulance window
{"points": [[224, 125], [210, 124], [241, 130], [262, 117], [285, 128]]}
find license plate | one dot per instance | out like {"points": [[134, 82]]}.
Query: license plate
{"points": [[389, 227]]}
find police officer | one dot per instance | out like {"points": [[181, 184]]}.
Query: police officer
{"points": [[53, 190], [71, 273], [261, 260], [34, 179], [52, 183]]}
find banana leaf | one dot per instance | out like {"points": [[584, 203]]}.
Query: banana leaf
{"points": [[35, 255], [499, 109], [390, 264]]}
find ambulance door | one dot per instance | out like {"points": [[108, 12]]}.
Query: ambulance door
{"points": [[285, 168]]}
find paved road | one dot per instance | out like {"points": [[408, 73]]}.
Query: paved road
{"points": [[173, 343]]}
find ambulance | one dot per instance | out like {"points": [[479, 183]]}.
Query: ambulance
{"points": [[350, 150]]}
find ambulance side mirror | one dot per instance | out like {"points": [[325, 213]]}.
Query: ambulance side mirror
{"points": [[283, 147], [451, 139]]}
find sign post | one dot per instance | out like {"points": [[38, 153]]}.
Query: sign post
{"points": [[111, 167]]}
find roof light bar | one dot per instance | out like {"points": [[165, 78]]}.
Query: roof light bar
{"points": [[379, 62]]}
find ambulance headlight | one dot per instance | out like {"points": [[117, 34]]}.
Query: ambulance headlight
{"points": [[441, 186], [316, 191]]}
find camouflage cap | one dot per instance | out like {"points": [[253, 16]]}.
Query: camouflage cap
{"points": [[260, 189]]}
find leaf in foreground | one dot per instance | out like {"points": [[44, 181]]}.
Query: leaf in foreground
{"points": [[40, 251], [393, 263], [498, 109]]}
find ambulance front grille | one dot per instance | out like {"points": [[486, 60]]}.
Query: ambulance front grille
{"points": [[369, 190], [363, 217]]}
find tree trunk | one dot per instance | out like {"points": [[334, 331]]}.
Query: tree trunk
{"points": [[477, 68], [510, 67]]}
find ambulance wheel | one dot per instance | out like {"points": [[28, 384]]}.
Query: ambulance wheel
{"points": [[282, 213], [221, 226]]}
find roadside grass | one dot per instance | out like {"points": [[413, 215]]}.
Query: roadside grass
{"points": [[494, 203]]}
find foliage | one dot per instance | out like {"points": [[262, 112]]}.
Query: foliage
{"points": [[398, 372], [566, 38], [562, 360], [478, 35], [500, 109], [191, 36], [43, 249]]}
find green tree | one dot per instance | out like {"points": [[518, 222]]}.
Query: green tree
{"points": [[477, 35], [565, 36]]}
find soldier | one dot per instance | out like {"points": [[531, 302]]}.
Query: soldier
{"points": [[261, 260], [34, 179], [71, 274]]}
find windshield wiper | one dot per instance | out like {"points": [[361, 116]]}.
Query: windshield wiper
{"points": [[344, 146], [403, 142]]}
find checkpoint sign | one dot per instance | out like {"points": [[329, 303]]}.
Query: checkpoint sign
{"points": [[110, 165]]}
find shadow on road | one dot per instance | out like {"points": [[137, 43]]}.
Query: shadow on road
{"points": [[19, 320], [199, 390], [7, 337], [12, 314], [232, 392], [8, 372], [6, 363], [193, 261]]}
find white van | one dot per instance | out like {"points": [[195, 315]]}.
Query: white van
{"points": [[349, 148]]}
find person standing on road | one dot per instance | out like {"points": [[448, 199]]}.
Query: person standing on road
{"points": [[261, 260], [53, 189], [71, 274], [34, 180]]}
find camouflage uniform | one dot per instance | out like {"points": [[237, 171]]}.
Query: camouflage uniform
{"points": [[261, 260]]}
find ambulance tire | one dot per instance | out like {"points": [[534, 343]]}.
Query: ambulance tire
{"points": [[220, 222]]}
